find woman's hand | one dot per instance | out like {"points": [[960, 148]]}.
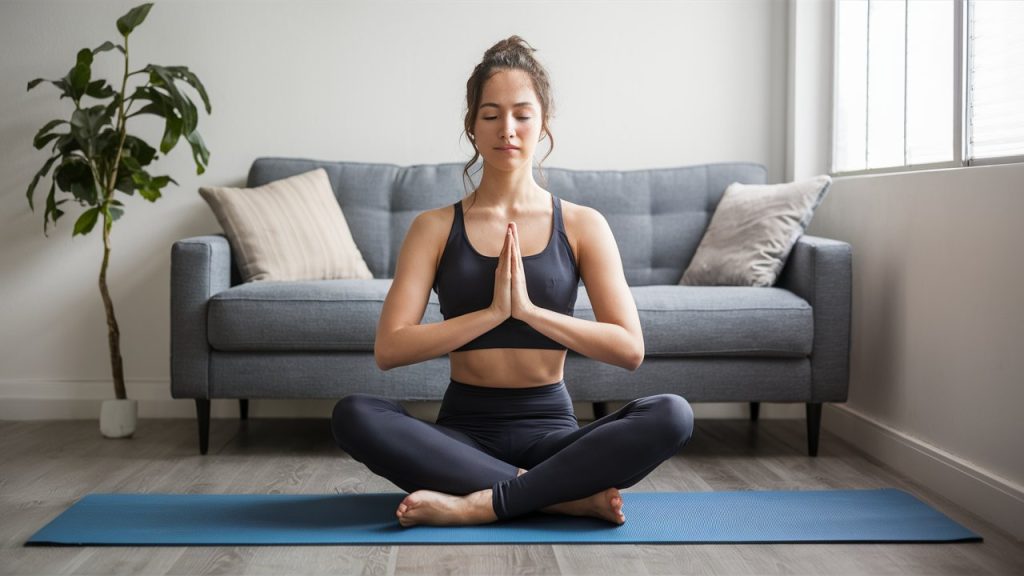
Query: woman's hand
{"points": [[520, 297], [502, 302]]}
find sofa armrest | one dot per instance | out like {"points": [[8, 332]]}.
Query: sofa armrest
{"points": [[820, 271], [200, 267]]}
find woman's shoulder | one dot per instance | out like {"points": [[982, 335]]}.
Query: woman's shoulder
{"points": [[432, 227], [579, 218], [436, 218]]}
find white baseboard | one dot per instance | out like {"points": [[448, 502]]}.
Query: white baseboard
{"points": [[39, 399], [993, 498]]}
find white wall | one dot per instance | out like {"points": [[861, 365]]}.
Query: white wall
{"points": [[636, 84]]}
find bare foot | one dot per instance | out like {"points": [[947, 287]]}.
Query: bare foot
{"points": [[606, 505], [440, 509]]}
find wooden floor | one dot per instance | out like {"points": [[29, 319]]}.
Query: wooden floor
{"points": [[46, 465]]}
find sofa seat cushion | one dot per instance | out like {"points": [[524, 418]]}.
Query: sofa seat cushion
{"points": [[342, 315], [718, 320], [337, 315]]}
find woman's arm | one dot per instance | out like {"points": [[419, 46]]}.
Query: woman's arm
{"points": [[420, 342], [616, 337], [401, 339]]}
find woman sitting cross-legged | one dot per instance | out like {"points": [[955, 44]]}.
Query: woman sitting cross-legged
{"points": [[506, 264]]}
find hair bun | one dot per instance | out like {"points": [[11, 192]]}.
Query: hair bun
{"points": [[513, 43]]}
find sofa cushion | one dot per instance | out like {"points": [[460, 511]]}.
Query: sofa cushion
{"points": [[288, 229], [752, 231], [342, 315], [718, 320], [337, 315]]}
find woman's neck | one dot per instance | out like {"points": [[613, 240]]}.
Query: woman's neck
{"points": [[508, 192]]}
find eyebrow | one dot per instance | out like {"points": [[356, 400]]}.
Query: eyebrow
{"points": [[516, 105]]}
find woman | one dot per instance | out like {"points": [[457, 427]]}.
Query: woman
{"points": [[506, 265]]}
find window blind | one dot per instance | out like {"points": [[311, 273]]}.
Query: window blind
{"points": [[996, 78]]}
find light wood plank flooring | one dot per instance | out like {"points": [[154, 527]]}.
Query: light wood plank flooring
{"points": [[46, 465]]}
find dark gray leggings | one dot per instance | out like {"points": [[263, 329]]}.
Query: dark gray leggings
{"points": [[484, 435]]}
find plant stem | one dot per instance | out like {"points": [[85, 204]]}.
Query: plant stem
{"points": [[122, 121], [114, 333]]}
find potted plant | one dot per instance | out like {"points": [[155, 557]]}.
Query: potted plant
{"points": [[96, 157]]}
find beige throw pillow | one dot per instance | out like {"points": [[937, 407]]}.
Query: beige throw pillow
{"points": [[752, 232], [289, 229]]}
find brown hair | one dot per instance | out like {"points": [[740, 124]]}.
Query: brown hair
{"points": [[512, 53]]}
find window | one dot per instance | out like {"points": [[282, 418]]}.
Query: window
{"points": [[927, 83]]}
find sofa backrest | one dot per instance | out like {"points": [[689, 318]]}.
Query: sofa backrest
{"points": [[658, 216]]}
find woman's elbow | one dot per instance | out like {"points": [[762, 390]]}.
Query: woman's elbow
{"points": [[383, 362], [636, 358], [634, 362]]}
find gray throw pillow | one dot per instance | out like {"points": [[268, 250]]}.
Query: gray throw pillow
{"points": [[752, 231]]}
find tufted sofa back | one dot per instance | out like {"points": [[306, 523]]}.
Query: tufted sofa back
{"points": [[658, 216]]}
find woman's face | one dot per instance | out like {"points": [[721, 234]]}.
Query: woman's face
{"points": [[509, 116]]}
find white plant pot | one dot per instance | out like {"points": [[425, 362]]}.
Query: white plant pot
{"points": [[118, 417]]}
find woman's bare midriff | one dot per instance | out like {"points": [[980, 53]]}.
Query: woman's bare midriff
{"points": [[507, 367]]}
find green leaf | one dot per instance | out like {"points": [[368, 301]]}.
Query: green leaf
{"points": [[131, 163], [192, 117], [63, 84], [35, 180], [85, 127], [66, 144], [162, 181], [172, 131], [199, 152], [115, 213], [184, 73], [75, 176], [40, 143], [106, 145], [125, 181], [159, 102], [108, 45], [84, 57], [139, 150], [86, 221], [114, 105], [80, 75], [163, 78], [149, 187], [134, 17], [151, 194], [85, 193], [51, 208], [39, 140], [99, 89]]}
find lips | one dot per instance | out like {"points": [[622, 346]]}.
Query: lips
{"points": [[507, 148]]}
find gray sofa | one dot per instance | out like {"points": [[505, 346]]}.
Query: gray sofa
{"points": [[786, 343]]}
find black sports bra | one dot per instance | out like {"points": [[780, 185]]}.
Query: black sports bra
{"points": [[464, 283]]}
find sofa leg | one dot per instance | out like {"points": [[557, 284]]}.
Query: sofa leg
{"points": [[813, 427], [203, 415], [755, 411], [243, 408], [600, 410]]}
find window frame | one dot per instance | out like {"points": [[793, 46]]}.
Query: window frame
{"points": [[961, 103]]}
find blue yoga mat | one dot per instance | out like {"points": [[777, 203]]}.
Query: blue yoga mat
{"points": [[651, 517]]}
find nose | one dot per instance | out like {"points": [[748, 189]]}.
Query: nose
{"points": [[509, 132]]}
